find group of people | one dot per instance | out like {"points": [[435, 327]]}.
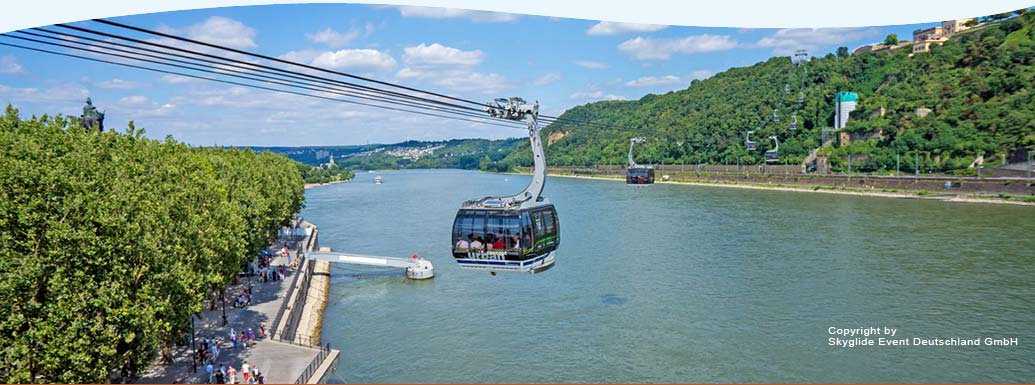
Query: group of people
{"points": [[208, 354], [228, 374], [246, 338], [491, 242]]}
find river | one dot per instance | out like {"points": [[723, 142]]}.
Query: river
{"points": [[677, 283]]}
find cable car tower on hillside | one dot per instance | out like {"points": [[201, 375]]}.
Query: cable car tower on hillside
{"points": [[638, 174]]}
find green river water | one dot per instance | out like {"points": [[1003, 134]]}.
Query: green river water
{"points": [[673, 283]]}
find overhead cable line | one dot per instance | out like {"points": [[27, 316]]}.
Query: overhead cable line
{"points": [[246, 84]]}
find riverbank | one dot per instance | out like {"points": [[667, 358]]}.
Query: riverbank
{"points": [[279, 361], [827, 189], [311, 185]]}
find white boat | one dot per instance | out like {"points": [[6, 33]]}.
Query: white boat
{"points": [[377, 179]]}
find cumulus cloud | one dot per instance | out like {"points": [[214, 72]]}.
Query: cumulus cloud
{"points": [[786, 41], [654, 81], [9, 65], [62, 94], [449, 67], [353, 59], [594, 96], [444, 13], [615, 28], [218, 30], [120, 84], [440, 55], [651, 81], [642, 48], [332, 38], [591, 64], [134, 100], [176, 79]]}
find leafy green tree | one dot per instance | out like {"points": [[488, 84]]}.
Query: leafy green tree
{"points": [[891, 39], [842, 52], [112, 241]]}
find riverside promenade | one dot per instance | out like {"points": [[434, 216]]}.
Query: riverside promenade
{"points": [[278, 361]]}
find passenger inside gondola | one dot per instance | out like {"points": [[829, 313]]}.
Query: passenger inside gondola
{"points": [[462, 244], [498, 244]]}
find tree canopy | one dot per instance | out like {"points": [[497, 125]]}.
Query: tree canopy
{"points": [[111, 241]]}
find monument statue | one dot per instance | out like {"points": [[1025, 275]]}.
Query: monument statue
{"points": [[91, 117]]}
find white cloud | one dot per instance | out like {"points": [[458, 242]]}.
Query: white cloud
{"points": [[9, 65], [356, 59], [594, 96], [177, 79], [591, 64], [547, 78], [615, 28], [61, 94], [120, 84], [334, 39], [449, 67], [642, 48], [218, 30], [786, 41], [651, 81], [444, 13], [440, 55], [134, 100], [654, 81]]}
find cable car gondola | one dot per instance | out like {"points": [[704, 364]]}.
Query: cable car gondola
{"points": [[638, 174], [773, 156], [748, 143], [517, 233]]}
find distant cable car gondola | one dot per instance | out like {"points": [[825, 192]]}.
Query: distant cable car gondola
{"points": [[773, 156], [748, 143], [520, 232], [794, 124], [638, 174]]}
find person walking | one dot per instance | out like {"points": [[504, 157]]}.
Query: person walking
{"points": [[246, 371], [208, 372], [231, 375]]}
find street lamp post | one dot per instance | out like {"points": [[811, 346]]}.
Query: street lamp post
{"points": [[223, 294], [193, 350]]}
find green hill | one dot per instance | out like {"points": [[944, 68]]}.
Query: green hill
{"points": [[979, 87]]}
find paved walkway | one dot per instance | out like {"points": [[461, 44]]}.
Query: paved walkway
{"points": [[279, 362]]}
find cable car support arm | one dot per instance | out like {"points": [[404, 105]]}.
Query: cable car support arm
{"points": [[517, 109]]}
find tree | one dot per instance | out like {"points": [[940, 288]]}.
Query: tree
{"points": [[112, 241], [842, 52], [485, 163], [891, 39], [971, 22]]}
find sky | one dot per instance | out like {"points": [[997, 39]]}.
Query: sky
{"points": [[562, 63]]}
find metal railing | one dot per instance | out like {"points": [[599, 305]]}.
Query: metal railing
{"points": [[291, 327], [325, 351], [284, 304]]}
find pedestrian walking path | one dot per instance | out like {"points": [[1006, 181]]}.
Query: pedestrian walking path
{"points": [[279, 362]]}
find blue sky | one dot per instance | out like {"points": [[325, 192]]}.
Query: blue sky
{"points": [[561, 63]]}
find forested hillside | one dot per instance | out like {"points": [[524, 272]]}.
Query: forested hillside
{"points": [[978, 86]]}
